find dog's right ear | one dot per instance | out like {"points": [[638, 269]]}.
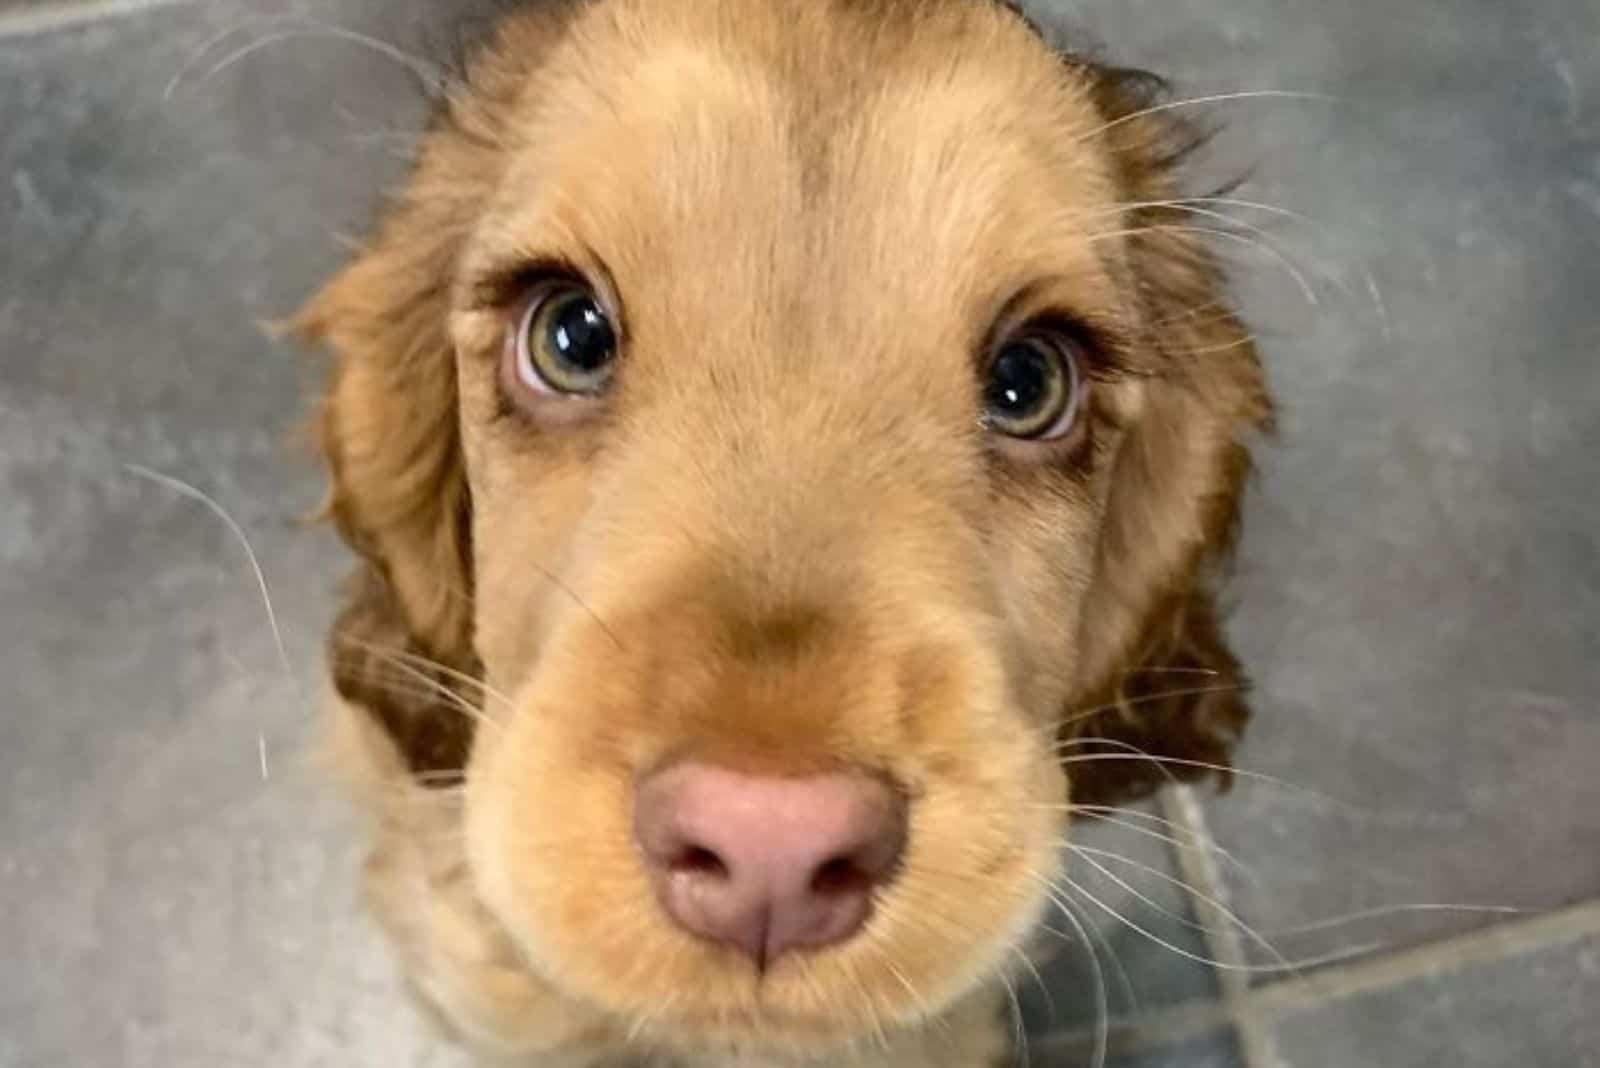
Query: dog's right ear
{"points": [[387, 422], [386, 427]]}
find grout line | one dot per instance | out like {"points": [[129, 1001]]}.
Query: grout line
{"points": [[65, 14], [1501, 941], [1153, 1031], [1196, 1019], [1198, 866]]}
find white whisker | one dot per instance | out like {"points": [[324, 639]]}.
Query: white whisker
{"points": [[1148, 698], [426, 73], [1389, 910], [1264, 969], [1288, 265], [1122, 818], [185, 489], [1088, 853], [1182, 762], [1128, 749], [1214, 98], [426, 664], [1102, 1030]]}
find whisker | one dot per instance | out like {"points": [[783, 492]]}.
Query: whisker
{"points": [[1088, 854], [184, 489], [1213, 98], [1266, 241], [206, 46], [392, 678], [917, 999], [1325, 231], [1147, 698], [1288, 265], [1213, 672], [430, 76], [561, 584], [1128, 749], [1033, 970], [1264, 969], [1221, 312], [1390, 910], [1208, 766], [1130, 999], [1117, 817], [1102, 1030], [1019, 1033], [433, 687], [426, 663]]}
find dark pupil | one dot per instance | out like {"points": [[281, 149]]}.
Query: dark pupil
{"points": [[581, 335], [1019, 380]]}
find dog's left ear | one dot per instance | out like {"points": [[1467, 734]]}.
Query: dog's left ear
{"points": [[1162, 679]]}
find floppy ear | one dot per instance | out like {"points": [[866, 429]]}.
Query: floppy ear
{"points": [[387, 425], [1165, 681]]}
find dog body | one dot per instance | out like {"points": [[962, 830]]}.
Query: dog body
{"points": [[776, 433]]}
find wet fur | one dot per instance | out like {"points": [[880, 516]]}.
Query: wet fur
{"points": [[477, 609]]}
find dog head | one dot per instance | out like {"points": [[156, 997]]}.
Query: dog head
{"points": [[802, 419]]}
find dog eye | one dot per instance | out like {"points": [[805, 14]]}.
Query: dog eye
{"points": [[565, 343], [1034, 386]]}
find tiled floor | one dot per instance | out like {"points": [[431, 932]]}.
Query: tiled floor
{"points": [[1419, 589]]}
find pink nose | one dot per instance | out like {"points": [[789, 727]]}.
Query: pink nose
{"points": [[767, 864]]}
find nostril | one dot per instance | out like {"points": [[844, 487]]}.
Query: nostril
{"points": [[840, 877], [698, 860]]}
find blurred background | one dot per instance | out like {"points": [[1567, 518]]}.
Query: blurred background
{"points": [[1408, 875]]}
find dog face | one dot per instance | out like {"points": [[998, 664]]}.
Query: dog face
{"points": [[799, 417]]}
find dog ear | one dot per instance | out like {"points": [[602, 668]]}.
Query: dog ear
{"points": [[387, 430], [387, 423], [1163, 680]]}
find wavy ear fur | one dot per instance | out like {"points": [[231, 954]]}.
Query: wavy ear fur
{"points": [[1166, 683], [387, 425]]}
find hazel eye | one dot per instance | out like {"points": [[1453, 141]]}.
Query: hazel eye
{"points": [[565, 343], [1034, 387]]}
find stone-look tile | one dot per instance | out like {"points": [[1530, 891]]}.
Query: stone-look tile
{"points": [[1419, 582], [1218, 1050], [1533, 1011], [163, 903]]}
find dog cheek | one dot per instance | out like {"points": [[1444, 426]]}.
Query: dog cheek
{"points": [[1042, 580]]}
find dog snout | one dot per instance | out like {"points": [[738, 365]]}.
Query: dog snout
{"points": [[766, 864]]}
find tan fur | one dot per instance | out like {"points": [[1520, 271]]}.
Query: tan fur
{"points": [[781, 541]]}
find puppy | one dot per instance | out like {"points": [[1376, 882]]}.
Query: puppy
{"points": [[789, 444]]}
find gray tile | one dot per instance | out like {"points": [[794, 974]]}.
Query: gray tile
{"points": [[1419, 582], [1216, 1052], [164, 903], [1535, 1011], [1219, 1050]]}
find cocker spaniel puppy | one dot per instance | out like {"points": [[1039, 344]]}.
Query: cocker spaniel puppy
{"points": [[789, 444]]}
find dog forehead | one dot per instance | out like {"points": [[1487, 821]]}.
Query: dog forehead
{"points": [[918, 152]]}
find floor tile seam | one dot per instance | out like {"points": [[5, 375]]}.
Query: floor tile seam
{"points": [[1209, 903], [38, 20], [1195, 1019]]}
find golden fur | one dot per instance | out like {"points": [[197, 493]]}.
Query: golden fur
{"points": [[782, 540]]}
